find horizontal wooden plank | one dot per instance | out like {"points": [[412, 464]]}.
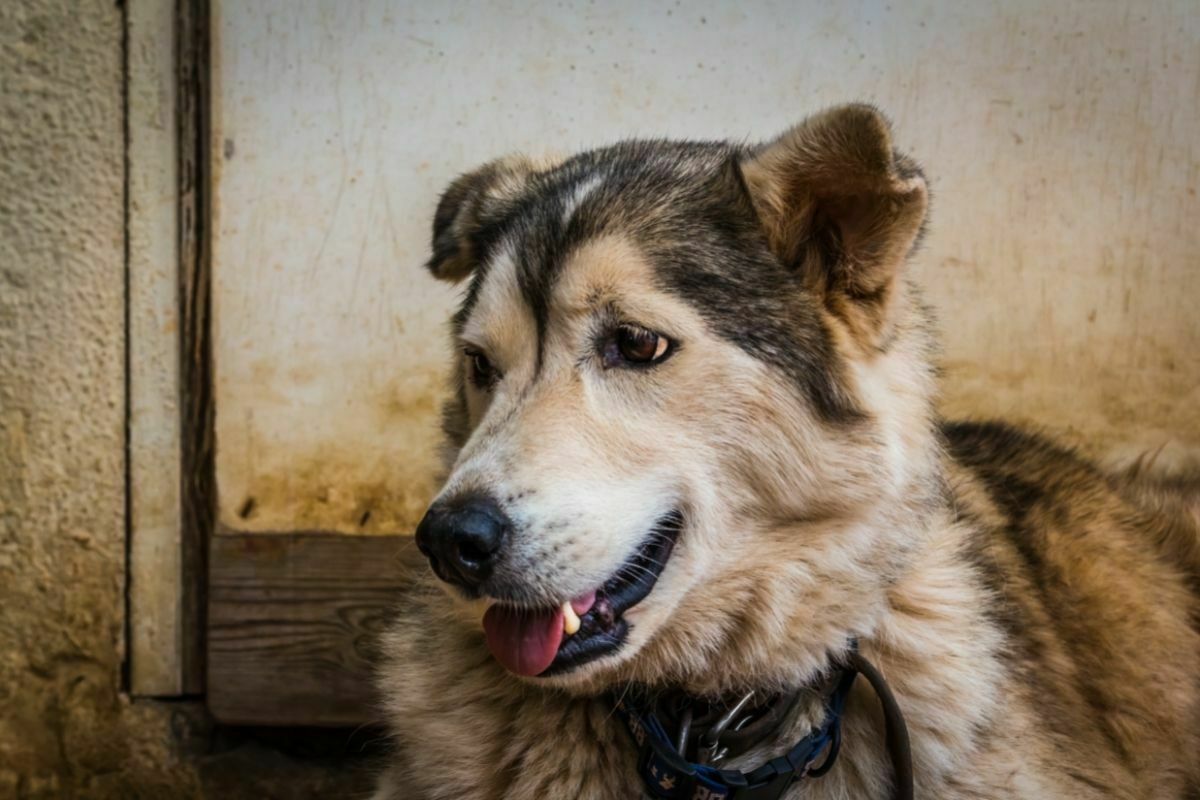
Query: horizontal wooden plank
{"points": [[293, 621]]}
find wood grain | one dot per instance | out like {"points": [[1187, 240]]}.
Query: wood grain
{"points": [[197, 452], [293, 621]]}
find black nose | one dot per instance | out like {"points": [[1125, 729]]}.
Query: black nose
{"points": [[463, 537]]}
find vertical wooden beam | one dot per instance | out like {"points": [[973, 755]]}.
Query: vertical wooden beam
{"points": [[170, 415], [156, 625], [195, 241]]}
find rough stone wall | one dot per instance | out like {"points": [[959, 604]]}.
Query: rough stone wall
{"points": [[65, 729]]}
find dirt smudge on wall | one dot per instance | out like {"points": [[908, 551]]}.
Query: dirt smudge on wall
{"points": [[371, 472]]}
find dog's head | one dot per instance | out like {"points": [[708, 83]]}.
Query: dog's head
{"points": [[687, 373]]}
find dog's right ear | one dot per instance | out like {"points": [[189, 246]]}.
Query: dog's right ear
{"points": [[469, 201], [843, 208]]}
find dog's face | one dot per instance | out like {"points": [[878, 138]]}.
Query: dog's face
{"points": [[672, 358]]}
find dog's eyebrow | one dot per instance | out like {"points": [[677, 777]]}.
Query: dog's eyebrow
{"points": [[601, 295], [545, 235], [535, 274]]}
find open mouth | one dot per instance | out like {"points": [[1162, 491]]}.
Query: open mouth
{"points": [[551, 641]]}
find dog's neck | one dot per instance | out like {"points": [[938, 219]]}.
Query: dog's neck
{"points": [[789, 625], [947, 682], [907, 611]]}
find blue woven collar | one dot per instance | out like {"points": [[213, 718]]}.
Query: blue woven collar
{"points": [[668, 774]]}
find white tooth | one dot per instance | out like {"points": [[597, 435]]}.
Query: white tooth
{"points": [[570, 619]]}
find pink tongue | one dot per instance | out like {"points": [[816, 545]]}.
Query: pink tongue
{"points": [[524, 642]]}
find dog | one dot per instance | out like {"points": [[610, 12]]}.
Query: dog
{"points": [[693, 458]]}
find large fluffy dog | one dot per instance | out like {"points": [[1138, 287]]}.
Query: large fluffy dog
{"points": [[693, 453]]}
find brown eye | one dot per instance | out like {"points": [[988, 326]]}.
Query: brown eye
{"points": [[483, 373], [633, 346]]}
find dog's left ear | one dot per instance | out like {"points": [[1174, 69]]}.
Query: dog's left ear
{"points": [[469, 202], [839, 204]]}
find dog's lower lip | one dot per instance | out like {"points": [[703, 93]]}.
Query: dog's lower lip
{"points": [[604, 628]]}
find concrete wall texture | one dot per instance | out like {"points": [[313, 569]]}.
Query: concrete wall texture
{"points": [[65, 729]]}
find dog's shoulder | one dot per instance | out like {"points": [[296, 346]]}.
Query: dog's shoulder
{"points": [[1017, 462], [1079, 575], [1034, 484]]}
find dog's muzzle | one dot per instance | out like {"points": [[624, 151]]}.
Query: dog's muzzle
{"points": [[464, 539]]}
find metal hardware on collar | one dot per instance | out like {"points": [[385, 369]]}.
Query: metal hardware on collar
{"points": [[748, 726], [710, 740], [667, 774]]}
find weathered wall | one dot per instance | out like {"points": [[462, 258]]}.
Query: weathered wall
{"points": [[65, 730], [1062, 146]]}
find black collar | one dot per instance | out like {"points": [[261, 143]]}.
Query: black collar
{"points": [[681, 740]]}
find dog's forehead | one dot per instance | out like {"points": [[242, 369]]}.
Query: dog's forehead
{"points": [[636, 197]]}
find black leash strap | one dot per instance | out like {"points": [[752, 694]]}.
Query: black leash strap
{"points": [[895, 729], [667, 774]]}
